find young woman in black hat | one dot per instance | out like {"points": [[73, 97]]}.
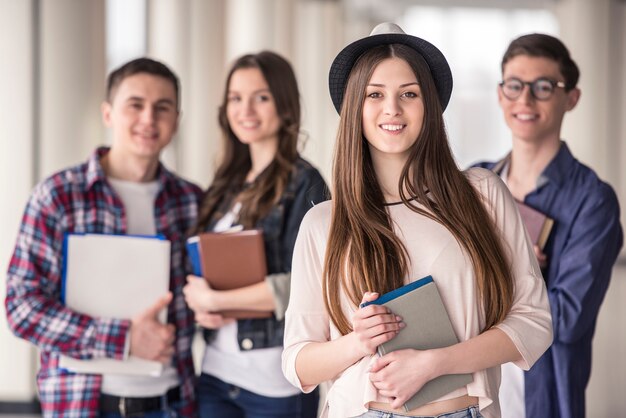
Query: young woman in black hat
{"points": [[261, 183], [402, 210]]}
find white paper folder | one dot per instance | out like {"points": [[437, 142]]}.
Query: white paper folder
{"points": [[114, 276]]}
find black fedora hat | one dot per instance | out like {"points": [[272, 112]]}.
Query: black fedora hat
{"points": [[385, 34]]}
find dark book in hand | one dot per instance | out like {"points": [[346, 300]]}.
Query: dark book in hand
{"points": [[230, 260], [537, 224]]}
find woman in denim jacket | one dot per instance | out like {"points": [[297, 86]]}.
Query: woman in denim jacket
{"points": [[261, 183]]}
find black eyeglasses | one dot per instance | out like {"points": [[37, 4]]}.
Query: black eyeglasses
{"points": [[541, 88]]}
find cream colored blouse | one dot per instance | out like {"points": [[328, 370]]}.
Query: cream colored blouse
{"points": [[432, 251]]}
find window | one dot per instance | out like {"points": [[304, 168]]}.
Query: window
{"points": [[474, 40]]}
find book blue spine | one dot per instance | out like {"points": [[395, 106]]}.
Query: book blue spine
{"points": [[399, 291], [64, 267], [194, 257]]}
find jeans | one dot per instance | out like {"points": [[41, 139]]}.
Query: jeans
{"points": [[170, 411], [218, 399], [471, 412]]}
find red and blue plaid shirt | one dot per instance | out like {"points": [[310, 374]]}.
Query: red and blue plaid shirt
{"points": [[79, 200]]}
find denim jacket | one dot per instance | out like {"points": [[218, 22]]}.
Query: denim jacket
{"points": [[280, 228]]}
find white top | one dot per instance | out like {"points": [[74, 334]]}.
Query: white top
{"points": [[512, 389], [138, 200], [258, 371], [434, 251]]}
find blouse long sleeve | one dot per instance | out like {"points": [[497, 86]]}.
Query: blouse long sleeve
{"points": [[529, 323], [306, 318]]}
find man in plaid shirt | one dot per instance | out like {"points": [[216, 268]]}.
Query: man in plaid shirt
{"points": [[119, 190]]}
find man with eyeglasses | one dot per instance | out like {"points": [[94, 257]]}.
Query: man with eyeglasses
{"points": [[538, 88]]}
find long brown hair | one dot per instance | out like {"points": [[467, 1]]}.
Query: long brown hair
{"points": [[231, 172], [364, 253]]}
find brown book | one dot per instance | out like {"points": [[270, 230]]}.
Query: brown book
{"points": [[230, 260], [537, 224]]}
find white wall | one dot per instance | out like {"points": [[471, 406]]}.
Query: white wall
{"points": [[605, 393], [17, 131], [71, 81]]}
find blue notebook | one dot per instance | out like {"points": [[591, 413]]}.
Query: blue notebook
{"points": [[428, 326], [193, 252]]}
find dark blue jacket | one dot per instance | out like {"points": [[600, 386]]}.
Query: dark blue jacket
{"points": [[582, 248]]}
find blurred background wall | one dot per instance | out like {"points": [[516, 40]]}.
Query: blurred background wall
{"points": [[55, 55]]}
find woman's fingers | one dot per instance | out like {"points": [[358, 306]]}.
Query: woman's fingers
{"points": [[369, 297], [374, 324], [378, 324]]}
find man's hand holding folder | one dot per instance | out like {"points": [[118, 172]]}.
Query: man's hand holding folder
{"points": [[149, 338], [129, 282]]}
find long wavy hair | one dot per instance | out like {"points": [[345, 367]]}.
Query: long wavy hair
{"points": [[230, 175], [364, 253]]}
